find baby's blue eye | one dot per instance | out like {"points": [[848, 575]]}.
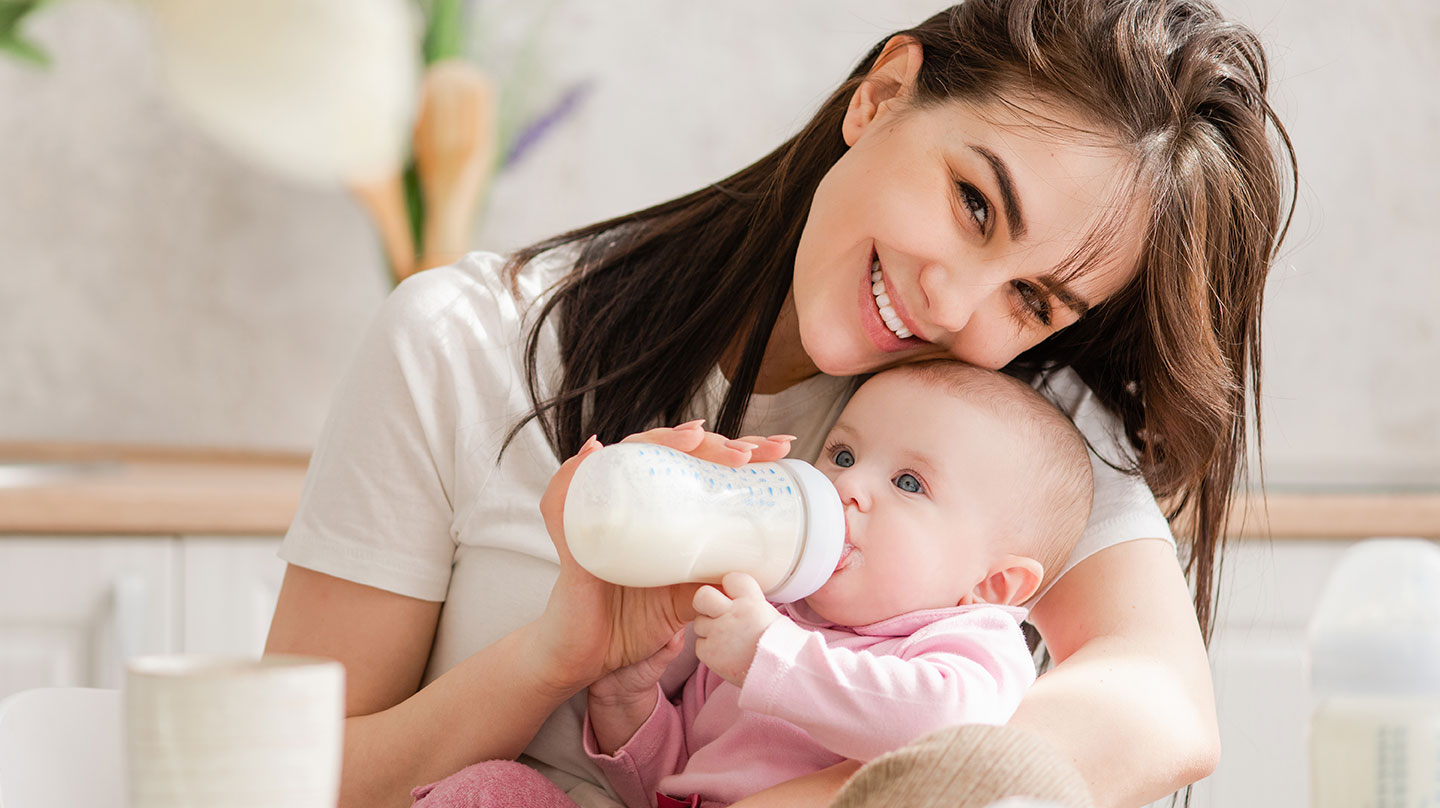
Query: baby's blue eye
{"points": [[908, 483], [844, 459]]}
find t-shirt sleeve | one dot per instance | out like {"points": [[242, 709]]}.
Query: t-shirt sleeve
{"points": [[1124, 508], [377, 505]]}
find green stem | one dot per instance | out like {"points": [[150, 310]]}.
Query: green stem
{"points": [[12, 14], [444, 31]]}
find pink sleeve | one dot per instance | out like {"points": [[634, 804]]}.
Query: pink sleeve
{"points": [[971, 669], [658, 749]]}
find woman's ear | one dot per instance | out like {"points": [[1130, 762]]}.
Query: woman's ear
{"points": [[892, 76], [1011, 582]]}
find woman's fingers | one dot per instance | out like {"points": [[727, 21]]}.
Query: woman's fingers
{"points": [[692, 439], [684, 437], [769, 448]]}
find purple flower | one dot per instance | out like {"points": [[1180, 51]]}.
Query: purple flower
{"points": [[544, 123]]}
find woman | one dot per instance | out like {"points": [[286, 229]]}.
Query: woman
{"points": [[1083, 192]]}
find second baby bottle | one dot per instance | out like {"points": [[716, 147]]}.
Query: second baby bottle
{"points": [[643, 515]]}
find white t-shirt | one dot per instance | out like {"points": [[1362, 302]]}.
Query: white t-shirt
{"points": [[404, 492]]}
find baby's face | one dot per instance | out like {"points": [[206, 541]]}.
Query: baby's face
{"points": [[926, 479]]}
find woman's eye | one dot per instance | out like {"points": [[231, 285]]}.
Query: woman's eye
{"points": [[1036, 304], [976, 204], [844, 459], [909, 483]]}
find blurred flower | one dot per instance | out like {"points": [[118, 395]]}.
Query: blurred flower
{"points": [[320, 90], [537, 129], [327, 92]]}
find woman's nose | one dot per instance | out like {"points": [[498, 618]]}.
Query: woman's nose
{"points": [[951, 298]]}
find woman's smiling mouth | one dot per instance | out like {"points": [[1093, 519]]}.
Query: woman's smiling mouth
{"points": [[882, 302], [882, 314]]}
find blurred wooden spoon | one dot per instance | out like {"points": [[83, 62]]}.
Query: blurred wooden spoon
{"points": [[455, 147], [384, 200]]}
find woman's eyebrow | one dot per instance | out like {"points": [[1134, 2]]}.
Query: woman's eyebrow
{"points": [[1008, 196], [1066, 295]]}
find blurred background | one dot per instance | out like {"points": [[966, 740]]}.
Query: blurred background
{"points": [[162, 290], [159, 289]]}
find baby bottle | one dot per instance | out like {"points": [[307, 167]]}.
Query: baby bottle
{"points": [[643, 515], [1375, 678]]}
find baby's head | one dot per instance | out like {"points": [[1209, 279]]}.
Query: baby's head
{"points": [[960, 485]]}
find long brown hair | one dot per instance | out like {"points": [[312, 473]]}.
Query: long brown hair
{"points": [[658, 297]]}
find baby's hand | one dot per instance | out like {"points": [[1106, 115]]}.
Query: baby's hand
{"points": [[636, 683], [729, 624]]}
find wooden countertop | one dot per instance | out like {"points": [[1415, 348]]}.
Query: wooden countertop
{"points": [[48, 488], [117, 489]]}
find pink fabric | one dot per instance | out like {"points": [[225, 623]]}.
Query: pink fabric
{"points": [[818, 694], [492, 784]]}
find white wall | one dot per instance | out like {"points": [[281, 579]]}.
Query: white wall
{"points": [[155, 289]]}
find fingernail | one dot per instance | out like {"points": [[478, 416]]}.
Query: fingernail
{"points": [[695, 424], [782, 437], [592, 443], [741, 445]]}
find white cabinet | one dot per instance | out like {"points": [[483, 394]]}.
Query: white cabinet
{"points": [[229, 585], [72, 609]]}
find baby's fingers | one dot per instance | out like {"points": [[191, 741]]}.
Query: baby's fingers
{"points": [[710, 602], [740, 585], [667, 653]]}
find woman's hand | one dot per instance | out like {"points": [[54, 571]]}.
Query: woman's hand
{"points": [[591, 627]]}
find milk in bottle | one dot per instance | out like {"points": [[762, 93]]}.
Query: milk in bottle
{"points": [[643, 515]]}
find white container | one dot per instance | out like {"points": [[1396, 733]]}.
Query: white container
{"points": [[234, 732], [643, 515], [1375, 677]]}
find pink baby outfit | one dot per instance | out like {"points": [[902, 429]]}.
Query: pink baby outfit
{"points": [[818, 694]]}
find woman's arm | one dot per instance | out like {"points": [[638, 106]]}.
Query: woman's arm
{"points": [[811, 790], [492, 704], [397, 738], [1129, 701]]}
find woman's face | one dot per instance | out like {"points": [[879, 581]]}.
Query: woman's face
{"points": [[941, 230]]}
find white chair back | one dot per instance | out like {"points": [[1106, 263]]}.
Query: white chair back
{"points": [[62, 747]]}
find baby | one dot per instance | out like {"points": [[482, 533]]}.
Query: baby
{"points": [[964, 492]]}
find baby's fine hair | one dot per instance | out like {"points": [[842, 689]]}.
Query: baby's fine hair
{"points": [[1060, 485]]}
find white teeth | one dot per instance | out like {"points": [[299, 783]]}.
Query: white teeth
{"points": [[882, 302]]}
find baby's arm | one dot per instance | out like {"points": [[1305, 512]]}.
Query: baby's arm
{"points": [[619, 702], [971, 668], [632, 733], [968, 669]]}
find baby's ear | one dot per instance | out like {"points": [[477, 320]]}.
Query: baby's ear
{"points": [[1010, 582]]}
